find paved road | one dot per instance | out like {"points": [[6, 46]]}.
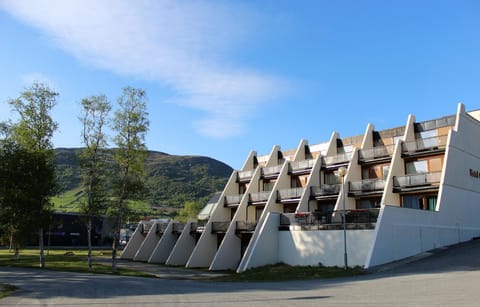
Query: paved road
{"points": [[448, 278]]}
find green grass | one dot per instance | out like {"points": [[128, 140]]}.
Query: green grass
{"points": [[282, 272], [64, 260], [68, 201], [6, 290]]}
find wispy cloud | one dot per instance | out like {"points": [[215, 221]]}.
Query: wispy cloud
{"points": [[182, 45]]}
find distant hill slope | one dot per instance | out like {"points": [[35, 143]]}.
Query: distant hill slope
{"points": [[170, 180]]}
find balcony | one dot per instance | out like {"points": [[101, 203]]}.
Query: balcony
{"points": [[161, 227], [416, 182], [145, 228], [245, 176], [366, 187], [220, 227], [233, 200], [245, 227], [178, 228], [337, 160], [332, 220], [259, 197], [301, 167], [271, 172], [289, 195], [325, 190], [375, 153], [426, 145]]}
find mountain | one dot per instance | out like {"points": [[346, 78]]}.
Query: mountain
{"points": [[170, 180]]}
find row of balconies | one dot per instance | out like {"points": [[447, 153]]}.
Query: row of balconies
{"points": [[372, 154], [354, 188]]}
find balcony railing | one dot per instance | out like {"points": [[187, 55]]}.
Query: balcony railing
{"points": [[338, 159], [245, 175], [272, 170], [416, 180], [161, 227], [286, 194], [301, 165], [325, 189], [146, 227], [178, 227], [438, 142], [375, 153], [366, 186], [259, 197], [243, 226], [233, 199], [220, 226], [331, 219]]}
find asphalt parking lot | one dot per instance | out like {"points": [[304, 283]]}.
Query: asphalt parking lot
{"points": [[448, 277]]}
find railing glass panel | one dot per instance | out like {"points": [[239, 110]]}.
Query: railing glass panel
{"points": [[376, 152], [438, 142], [290, 193], [302, 165], [326, 189], [416, 179], [367, 185], [340, 158], [271, 170]]}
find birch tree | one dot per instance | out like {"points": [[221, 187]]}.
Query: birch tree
{"points": [[94, 119], [130, 124], [33, 132]]}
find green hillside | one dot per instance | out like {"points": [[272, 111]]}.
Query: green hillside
{"points": [[170, 181]]}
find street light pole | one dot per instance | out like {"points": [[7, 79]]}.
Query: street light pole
{"points": [[342, 171]]}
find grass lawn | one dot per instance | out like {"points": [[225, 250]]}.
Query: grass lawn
{"points": [[5, 290], [64, 260], [282, 272]]}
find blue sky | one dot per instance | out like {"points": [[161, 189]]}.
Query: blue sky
{"points": [[227, 77]]}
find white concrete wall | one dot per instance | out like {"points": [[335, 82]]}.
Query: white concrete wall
{"points": [[458, 206], [148, 245], [264, 248], [133, 243], [165, 245], [183, 248], [204, 251], [326, 247]]}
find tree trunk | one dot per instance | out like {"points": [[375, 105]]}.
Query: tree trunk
{"points": [[42, 247], [11, 242], [17, 252], [116, 236], [89, 239]]}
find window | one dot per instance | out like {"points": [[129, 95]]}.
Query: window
{"points": [[416, 167], [432, 203], [412, 202], [332, 178], [368, 203], [428, 139], [268, 185]]}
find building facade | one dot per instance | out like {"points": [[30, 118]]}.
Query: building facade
{"points": [[364, 200]]}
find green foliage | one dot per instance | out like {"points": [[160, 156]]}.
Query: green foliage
{"points": [[65, 260], [170, 181], [35, 128], [26, 167], [94, 118], [189, 210], [26, 183], [130, 124], [283, 272]]}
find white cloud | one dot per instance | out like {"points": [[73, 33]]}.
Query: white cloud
{"points": [[183, 45]]}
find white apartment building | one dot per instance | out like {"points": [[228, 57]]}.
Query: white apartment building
{"points": [[366, 200]]}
